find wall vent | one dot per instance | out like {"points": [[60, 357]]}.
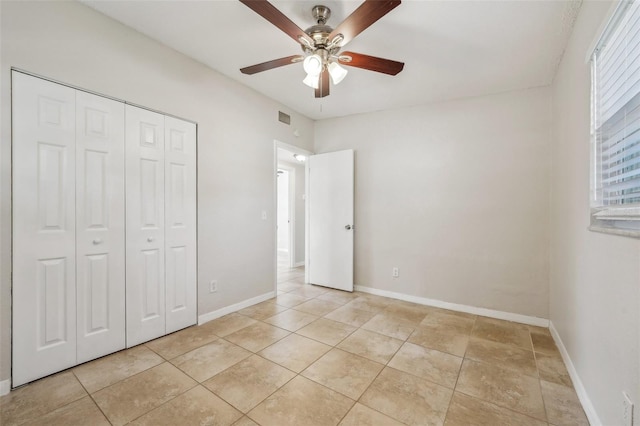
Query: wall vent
{"points": [[284, 118]]}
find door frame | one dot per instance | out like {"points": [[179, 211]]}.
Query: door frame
{"points": [[296, 150], [291, 207]]}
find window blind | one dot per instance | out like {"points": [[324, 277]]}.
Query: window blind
{"points": [[616, 110]]}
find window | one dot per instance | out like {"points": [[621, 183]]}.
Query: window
{"points": [[615, 130]]}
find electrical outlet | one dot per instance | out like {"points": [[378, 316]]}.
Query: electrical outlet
{"points": [[213, 286], [264, 215], [395, 272], [627, 410]]}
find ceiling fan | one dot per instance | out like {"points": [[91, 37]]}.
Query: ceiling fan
{"points": [[321, 44]]}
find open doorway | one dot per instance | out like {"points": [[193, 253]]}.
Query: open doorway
{"points": [[290, 185], [285, 215]]}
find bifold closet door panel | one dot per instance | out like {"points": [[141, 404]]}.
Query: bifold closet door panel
{"points": [[44, 260], [180, 223], [100, 226], [145, 243]]}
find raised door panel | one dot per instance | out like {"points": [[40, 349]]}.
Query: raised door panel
{"points": [[180, 223], [100, 225], [44, 263], [145, 242]]}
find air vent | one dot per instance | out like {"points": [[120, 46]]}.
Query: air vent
{"points": [[284, 118]]}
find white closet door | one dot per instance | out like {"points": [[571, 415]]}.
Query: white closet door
{"points": [[180, 223], [44, 270], [100, 249], [145, 225]]}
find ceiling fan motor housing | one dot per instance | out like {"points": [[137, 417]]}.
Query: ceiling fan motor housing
{"points": [[320, 34]]}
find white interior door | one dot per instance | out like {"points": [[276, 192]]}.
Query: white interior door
{"points": [[44, 260], [180, 223], [331, 220], [100, 226], [145, 223]]}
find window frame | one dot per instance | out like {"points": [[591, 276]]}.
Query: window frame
{"points": [[618, 219]]}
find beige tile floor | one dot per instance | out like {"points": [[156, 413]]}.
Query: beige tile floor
{"points": [[315, 356]]}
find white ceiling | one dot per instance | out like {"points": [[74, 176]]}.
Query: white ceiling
{"points": [[451, 49]]}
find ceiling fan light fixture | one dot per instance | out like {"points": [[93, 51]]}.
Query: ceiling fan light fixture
{"points": [[313, 64], [312, 81], [337, 72]]}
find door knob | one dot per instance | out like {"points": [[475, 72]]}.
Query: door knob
{"points": [[150, 239], [347, 227], [97, 241]]}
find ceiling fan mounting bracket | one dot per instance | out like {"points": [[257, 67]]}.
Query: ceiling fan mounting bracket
{"points": [[321, 14]]}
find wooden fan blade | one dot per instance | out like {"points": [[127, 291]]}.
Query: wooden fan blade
{"points": [[362, 18], [277, 18], [372, 63], [265, 66], [323, 88]]}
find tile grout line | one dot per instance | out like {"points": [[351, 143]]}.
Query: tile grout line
{"points": [[544, 404], [336, 347], [91, 396], [498, 366], [267, 397], [133, 375], [376, 378], [488, 363], [316, 340], [299, 374], [502, 407], [167, 401], [386, 365], [258, 355], [261, 401], [464, 356], [70, 370]]}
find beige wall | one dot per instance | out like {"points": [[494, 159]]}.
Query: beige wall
{"points": [[595, 278], [236, 129], [456, 195]]}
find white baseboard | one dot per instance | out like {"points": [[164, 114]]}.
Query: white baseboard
{"points": [[588, 407], [5, 387], [209, 316], [300, 264], [508, 316]]}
